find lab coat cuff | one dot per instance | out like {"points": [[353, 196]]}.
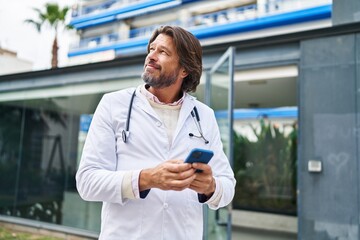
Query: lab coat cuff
{"points": [[126, 186], [214, 200], [135, 186], [135, 183]]}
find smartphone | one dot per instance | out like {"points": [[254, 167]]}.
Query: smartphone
{"points": [[199, 155]]}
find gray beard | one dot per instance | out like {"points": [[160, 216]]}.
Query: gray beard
{"points": [[160, 82]]}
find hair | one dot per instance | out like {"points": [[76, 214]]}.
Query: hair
{"points": [[189, 51]]}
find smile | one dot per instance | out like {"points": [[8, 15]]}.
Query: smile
{"points": [[152, 65]]}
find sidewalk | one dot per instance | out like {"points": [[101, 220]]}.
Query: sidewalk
{"points": [[35, 230], [10, 234], [14, 229], [252, 234]]}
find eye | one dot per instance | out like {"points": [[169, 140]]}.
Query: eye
{"points": [[164, 52]]}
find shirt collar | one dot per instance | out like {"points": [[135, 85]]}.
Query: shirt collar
{"points": [[153, 98]]}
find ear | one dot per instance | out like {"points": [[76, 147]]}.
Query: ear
{"points": [[183, 73]]}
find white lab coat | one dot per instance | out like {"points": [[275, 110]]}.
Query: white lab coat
{"points": [[166, 215]]}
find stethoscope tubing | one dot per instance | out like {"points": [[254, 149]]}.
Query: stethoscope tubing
{"points": [[126, 133], [194, 113]]}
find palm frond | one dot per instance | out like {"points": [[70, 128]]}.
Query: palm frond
{"points": [[37, 25], [53, 16]]}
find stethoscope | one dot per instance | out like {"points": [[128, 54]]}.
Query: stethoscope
{"points": [[196, 117], [194, 114]]}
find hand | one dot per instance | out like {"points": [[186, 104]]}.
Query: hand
{"points": [[170, 175], [204, 183]]}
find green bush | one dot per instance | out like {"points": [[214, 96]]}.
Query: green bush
{"points": [[266, 170]]}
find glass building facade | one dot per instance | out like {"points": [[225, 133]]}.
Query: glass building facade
{"points": [[41, 139], [40, 143], [42, 132]]}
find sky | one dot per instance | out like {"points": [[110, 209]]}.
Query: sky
{"points": [[23, 38]]}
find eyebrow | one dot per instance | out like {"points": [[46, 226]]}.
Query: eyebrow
{"points": [[162, 48]]}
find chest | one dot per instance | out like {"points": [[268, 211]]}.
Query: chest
{"points": [[148, 142]]}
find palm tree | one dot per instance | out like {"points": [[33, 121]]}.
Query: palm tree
{"points": [[54, 17]]}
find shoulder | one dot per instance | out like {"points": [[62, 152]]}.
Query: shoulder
{"points": [[116, 99], [199, 105], [119, 94]]}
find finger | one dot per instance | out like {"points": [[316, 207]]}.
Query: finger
{"points": [[178, 167], [202, 181], [181, 175], [198, 187], [205, 168], [179, 185], [187, 174], [175, 161], [195, 188], [169, 176]]}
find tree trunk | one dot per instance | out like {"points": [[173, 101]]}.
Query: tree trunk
{"points": [[54, 51]]}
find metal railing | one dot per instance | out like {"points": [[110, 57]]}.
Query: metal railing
{"points": [[82, 10], [243, 13]]}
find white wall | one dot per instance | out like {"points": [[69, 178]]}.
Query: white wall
{"points": [[11, 64]]}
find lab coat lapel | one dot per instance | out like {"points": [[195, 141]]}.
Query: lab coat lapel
{"points": [[142, 103], [186, 108]]}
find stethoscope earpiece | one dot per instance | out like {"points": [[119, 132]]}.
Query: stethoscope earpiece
{"points": [[125, 135]]}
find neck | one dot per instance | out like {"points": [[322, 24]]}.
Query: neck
{"points": [[166, 95]]}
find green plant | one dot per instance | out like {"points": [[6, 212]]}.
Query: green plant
{"points": [[265, 169]]}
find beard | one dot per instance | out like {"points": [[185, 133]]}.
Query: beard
{"points": [[162, 81]]}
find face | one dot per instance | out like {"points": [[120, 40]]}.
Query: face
{"points": [[161, 68]]}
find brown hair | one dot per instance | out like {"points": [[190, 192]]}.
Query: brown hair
{"points": [[190, 54]]}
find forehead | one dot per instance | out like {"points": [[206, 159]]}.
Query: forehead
{"points": [[164, 40]]}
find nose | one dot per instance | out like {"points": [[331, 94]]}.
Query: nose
{"points": [[152, 55]]}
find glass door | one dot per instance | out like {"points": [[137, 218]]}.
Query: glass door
{"points": [[219, 96]]}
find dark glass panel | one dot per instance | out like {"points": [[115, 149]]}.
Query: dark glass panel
{"points": [[265, 157]]}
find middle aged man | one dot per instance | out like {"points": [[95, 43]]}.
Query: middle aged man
{"points": [[133, 158]]}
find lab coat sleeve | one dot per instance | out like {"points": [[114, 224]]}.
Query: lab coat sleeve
{"points": [[97, 178], [222, 171]]}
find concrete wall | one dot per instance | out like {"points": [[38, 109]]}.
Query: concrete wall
{"points": [[329, 133], [345, 11], [10, 64]]}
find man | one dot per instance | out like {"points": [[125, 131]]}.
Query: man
{"points": [[133, 158]]}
